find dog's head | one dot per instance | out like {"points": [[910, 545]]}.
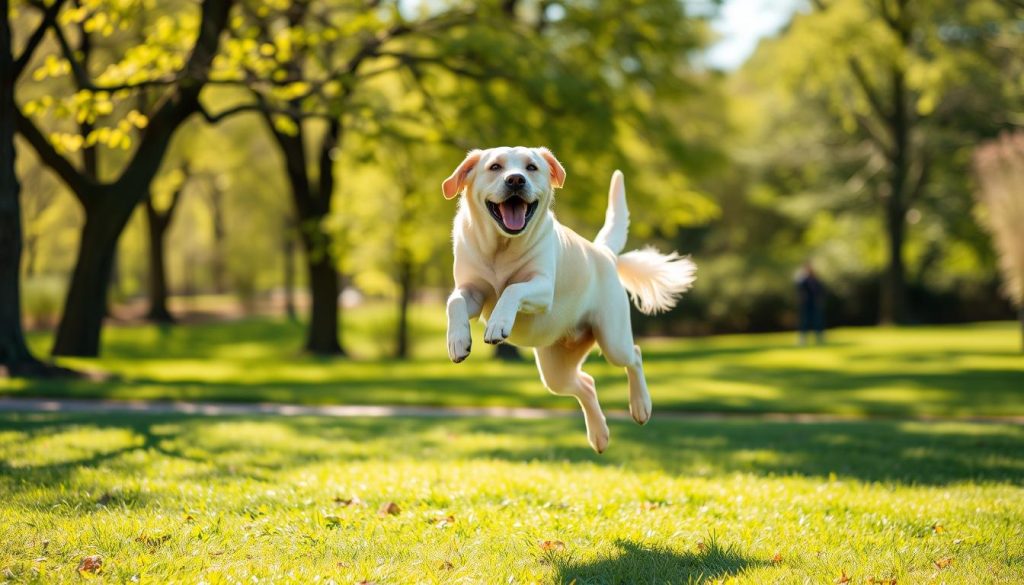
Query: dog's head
{"points": [[508, 184]]}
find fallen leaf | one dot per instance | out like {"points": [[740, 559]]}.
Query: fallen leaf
{"points": [[777, 558], [353, 501], [91, 565], [389, 509], [944, 562], [446, 566], [552, 545], [648, 506], [701, 547], [344, 564], [882, 580], [366, 582], [444, 521], [844, 578], [937, 528]]}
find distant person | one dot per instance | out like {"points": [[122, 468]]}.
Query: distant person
{"points": [[811, 303]]}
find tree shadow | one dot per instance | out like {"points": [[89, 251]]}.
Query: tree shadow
{"points": [[257, 447], [639, 563]]}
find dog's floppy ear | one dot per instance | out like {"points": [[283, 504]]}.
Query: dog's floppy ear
{"points": [[454, 183], [557, 171]]}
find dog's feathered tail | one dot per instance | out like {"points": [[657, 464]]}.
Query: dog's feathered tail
{"points": [[654, 280]]}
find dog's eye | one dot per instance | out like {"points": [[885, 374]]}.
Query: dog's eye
{"points": [[531, 167], [495, 167]]}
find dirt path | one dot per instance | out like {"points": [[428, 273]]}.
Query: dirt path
{"points": [[80, 406]]}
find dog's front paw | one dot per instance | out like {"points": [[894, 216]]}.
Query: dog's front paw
{"points": [[497, 330], [460, 342]]}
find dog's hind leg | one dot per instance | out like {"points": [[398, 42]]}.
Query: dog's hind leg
{"points": [[560, 371], [615, 337]]}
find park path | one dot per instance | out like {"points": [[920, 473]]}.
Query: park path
{"points": [[86, 406]]}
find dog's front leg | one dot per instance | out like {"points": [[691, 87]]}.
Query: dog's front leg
{"points": [[533, 296], [464, 303]]}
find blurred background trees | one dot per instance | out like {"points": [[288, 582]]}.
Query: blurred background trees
{"points": [[187, 153], [999, 165]]}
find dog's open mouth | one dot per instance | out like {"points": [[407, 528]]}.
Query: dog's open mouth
{"points": [[513, 213]]}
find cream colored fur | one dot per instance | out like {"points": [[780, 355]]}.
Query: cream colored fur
{"points": [[548, 288]]}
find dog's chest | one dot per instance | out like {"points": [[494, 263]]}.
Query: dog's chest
{"points": [[499, 272]]}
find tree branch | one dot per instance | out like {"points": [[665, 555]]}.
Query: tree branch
{"points": [[49, 17], [330, 142], [75, 180], [409, 59], [891, 19], [875, 136], [83, 80], [173, 109], [259, 107], [869, 90], [923, 173]]}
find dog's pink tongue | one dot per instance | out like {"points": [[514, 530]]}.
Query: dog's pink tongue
{"points": [[513, 213]]}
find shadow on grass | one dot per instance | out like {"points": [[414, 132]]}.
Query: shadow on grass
{"points": [[638, 563], [238, 362], [219, 448]]}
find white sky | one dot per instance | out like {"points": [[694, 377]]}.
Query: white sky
{"points": [[741, 24]]}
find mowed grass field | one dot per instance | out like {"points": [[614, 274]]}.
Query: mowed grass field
{"points": [[875, 498], [964, 370], [162, 499]]}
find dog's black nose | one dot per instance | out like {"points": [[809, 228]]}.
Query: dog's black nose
{"points": [[515, 181]]}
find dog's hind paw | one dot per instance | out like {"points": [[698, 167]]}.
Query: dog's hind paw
{"points": [[640, 409], [598, 438]]}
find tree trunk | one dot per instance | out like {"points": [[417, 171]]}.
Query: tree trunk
{"points": [[157, 224], [312, 204], [893, 305], [109, 205], [894, 290], [289, 274], [322, 338], [15, 356], [79, 331], [219, 265], [405, 278]]}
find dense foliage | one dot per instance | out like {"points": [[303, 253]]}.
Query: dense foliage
{"points": [[320, 130]]}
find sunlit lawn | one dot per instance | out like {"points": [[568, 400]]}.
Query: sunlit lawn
{"points": [[234, 500], [948, 370]]}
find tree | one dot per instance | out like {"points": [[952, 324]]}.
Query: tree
{"points": [[15, 356], [158, 219], [574, 81], [897, 76], [108, 204], [304, 63], [999, 167]]}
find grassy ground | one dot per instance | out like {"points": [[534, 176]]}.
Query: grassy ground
{"points": [[949, 371], [164, 499]]}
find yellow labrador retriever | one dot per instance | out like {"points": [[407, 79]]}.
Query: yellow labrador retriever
{"points": [[539, 284]]}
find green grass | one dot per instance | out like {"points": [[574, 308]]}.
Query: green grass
{"points": [[240, 500], [967, 370]]}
